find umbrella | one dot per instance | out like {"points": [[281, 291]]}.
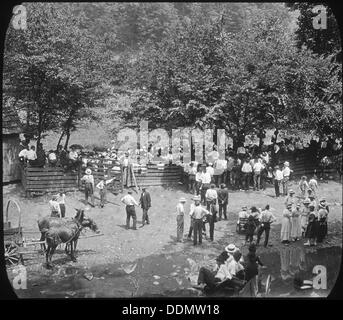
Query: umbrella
{"points": [[76, 146]]}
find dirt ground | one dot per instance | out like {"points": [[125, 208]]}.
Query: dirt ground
{"points": [[159, 265]]}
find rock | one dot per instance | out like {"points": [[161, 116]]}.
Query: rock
{"points": [[88, 275], [174, 274], [156, 283], [157, 277]]}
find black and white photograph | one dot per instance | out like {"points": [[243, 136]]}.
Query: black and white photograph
{"points": [[172, 149]]}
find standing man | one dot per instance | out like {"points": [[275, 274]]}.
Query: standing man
{"points": [[257, 168], [89, 185], [126, 169], [267, 219], [211, 196], [206, 181], [223, 199], [278, 177], [246, 170], [145, 203], [198, 215], [286, 173], [180, 210], [130, 203]]}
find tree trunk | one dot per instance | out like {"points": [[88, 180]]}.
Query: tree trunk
{"points": [[60, 139], [67, 140]]}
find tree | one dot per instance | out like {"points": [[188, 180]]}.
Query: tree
{"points": [[52, 68], [320, 41]]}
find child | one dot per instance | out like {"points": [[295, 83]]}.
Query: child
{"points": [[313, 185], [55, 207], [61, 202], [303, 186], [250, 227]]}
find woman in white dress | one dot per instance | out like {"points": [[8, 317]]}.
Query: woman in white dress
{"points": [[296, 225], [286, 225]]}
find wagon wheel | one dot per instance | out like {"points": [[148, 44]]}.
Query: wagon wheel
{"points": [[12, 255]]}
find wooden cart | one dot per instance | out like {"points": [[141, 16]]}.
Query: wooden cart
{"points": [[15, 245]]}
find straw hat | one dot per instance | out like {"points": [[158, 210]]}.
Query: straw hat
{"points": [[54, 197], [245, 208], [322, 200], [231, 248], [286, 163], [196, 198], [88, 171], [307, 201], [182, 200], [289, 205], [291, 191]]}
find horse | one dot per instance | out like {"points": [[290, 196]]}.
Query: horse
{"points": [[67, 233]]}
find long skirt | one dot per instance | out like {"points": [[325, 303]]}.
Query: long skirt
{"points": [[303, 223], [286, 226], [322, 230], [312, 230], [296, 228], [180, 226]]}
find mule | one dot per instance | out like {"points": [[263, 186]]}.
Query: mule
{"points": [[67, 233]]}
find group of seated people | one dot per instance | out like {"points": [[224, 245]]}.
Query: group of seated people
{"points": [[231, 271], [28, 156]]}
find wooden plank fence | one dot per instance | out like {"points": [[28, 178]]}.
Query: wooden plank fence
{"points": [[48, 179], [157, 175]]}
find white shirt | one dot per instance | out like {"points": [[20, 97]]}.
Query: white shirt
{"points": [[286, 172], [211, 194], [73, 155], [278, 175], [205, 177], [52, 156], [192, 170], [125, 162], [198, 176], [313, 183], [100, 185], [31, 155], [54, 206], [180, 209], [228, 269], [210, 170], [88, 178], [62, 199], [129, 200], [246, 168], [258, 166], [23, 153], [221, 164]]}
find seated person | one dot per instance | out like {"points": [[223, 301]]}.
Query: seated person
{"points": [[52, 158], [252, 263], [244, 213], [32, 156], [23, 155], [231, 272], [73, 158], [229, 250]]}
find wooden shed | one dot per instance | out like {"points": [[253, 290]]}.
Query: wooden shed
{"points": [[11, 128]]}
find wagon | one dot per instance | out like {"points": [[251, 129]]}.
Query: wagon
{"points": [[15, 245]]}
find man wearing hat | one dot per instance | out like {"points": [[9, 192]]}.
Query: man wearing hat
{"points": [[198, 214], [130, 204], [286, 174], [180, 212], [228, 251], [323, 212], [55, 206], [267, 218], [278, 177], [145, 202], [223, 199], [88, 179]]}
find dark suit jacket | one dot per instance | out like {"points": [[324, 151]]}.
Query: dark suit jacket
{"points": [[223, 195], [145, 200]]}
